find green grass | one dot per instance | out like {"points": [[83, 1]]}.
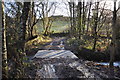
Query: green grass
{"points": [[60, 26], [57, 26]]}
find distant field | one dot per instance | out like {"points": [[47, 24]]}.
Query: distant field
{"points": [[57, 26], [60, 26]]}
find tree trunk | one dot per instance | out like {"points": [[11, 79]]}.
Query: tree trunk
{"points": [[24, 18], [4, 54], [95, 27], [71, 22], [46, 19], [31, 20], [74, 20], [83, 18], [79, 18], [1, 39], [112, 54], [88, 20]]}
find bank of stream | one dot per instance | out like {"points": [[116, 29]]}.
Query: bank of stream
{"points": [[59, 43]]}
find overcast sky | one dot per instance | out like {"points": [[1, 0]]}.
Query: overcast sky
{"points": [[63, 9]]}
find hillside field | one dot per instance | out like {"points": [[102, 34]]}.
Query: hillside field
{"points": [[58, 26]]}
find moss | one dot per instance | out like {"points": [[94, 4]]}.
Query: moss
{"points": [[38, 42]]}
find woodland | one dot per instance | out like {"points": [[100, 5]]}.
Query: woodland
{"points": [[91, 32]]}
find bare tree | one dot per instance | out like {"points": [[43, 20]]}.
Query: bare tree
{"points": [[88, 19], [79, 18], [46, 8], [95, 25], [24, 18], [71, 22], [73, 8], [32, 19], [113, 44]]}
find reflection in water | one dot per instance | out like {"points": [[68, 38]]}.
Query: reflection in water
{"points": [[61, 46], [61, 42], [51, 43]]}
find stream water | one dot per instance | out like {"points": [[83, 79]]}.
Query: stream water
{"points": [[107, 63], [60, 46]]}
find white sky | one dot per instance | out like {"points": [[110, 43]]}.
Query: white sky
{"points": [[63, 10]]}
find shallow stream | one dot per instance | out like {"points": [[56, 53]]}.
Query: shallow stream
{"points": [[107, 63]]}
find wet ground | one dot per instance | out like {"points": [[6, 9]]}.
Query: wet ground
{"points": [[67, 68], [59, 67]]}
